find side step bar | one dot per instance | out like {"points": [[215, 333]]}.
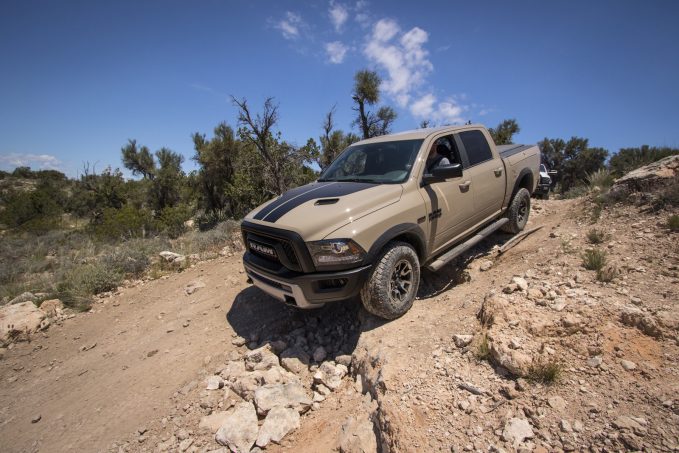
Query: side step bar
{"points": [[469, 243]]}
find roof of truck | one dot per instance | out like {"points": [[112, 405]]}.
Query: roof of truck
{"points": [[418, 133]]}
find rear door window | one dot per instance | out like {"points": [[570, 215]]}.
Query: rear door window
{"points": [[476, 147]]}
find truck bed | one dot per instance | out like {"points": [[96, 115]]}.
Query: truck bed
{"points": [[509, 150]]}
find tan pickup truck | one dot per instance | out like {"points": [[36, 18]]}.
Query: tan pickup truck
{"points": [[386, 207]]}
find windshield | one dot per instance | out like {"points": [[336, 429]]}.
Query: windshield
{"points": [[384, 162], [543, 169]]}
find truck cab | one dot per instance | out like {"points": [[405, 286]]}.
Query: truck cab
{"points": [[386, 207]]}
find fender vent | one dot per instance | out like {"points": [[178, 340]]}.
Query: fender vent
{"points": [[326, 201]]}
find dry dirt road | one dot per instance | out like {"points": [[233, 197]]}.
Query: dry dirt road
{"points": [[133, 363]]}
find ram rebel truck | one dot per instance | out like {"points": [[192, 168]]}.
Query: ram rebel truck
{"points": [[385, 208]]}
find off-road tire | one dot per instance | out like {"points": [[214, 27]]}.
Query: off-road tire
{"points": [[518, 212], [383, 295]]}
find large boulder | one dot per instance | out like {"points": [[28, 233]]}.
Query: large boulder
{"points": [[649, 177], [292, 395], [357, 436], [278, 423], [239, 430], [19, 318], [513, 360], [23, 297], [52, 308]]}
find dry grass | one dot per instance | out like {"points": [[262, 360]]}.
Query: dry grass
{"points": [[545, 372], [482, 348], [72, 265], [594, 259], [597, 236]]}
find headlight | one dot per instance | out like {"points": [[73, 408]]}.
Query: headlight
{"points": [[545, 180], [335, 252]]}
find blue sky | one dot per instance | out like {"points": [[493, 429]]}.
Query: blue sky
{"points": [[78, 78]]}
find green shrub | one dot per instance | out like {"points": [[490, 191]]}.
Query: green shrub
{"points": [[545, 372], [209, 220], [597, 236], [482, 350], [673, 223], [594, 259], [172, 220], [89, 279], [124, 223]]}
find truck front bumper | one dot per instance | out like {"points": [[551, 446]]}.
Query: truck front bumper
{"points": [[542, 189], [308, 290]]}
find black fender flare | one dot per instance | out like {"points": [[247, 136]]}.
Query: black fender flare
{"points": [[412, 230], [522, 173]]}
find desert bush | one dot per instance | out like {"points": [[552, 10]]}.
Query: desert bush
{"points": [[213, 240], [601, 178], [607, 273], [594, 259], [209, 220], [172, 220], [567, 246], [482, 350], [597, 236], [90, 279], [545, 371], [673, 223], [126, 260], [124, 223]]}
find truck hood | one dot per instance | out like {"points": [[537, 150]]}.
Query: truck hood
{"points": [[317, 209]]}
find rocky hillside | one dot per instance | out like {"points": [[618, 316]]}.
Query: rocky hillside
{"points": [[568, 341]]}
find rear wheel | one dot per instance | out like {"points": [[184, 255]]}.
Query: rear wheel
{"points": [[393, 283], [518, 212]]}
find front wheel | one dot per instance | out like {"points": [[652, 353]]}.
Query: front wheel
{"points": [[518, 212], [393, 283]]}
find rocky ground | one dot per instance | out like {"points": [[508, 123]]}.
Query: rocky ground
{"points": [[201, 361]]}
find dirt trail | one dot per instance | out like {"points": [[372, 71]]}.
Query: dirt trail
{"points": [[143, 354], [137, 374]]}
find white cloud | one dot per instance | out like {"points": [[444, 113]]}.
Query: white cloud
{"points": [[446, 112], [449, 112], [405, 60], [362, 15], [338, 15], [41, 161], [290, 25], [336, 51], [385, 29], [423, 107]]}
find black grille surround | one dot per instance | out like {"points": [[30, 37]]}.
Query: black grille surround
{"points": [[291, 251]]}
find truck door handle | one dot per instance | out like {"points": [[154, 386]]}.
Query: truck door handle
{"points": [[498, 172], [465, 186]]}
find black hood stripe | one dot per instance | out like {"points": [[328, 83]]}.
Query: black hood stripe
{"points": [[294, 198], [287, 196]]}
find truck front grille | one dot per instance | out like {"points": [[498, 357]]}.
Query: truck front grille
{"points": [[261, 243]]}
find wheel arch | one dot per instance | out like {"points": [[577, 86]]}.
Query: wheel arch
{"points": [[409, 233], [524, 181]]}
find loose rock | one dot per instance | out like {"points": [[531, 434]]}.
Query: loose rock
{"points": [[278, 423], [239, 430]]}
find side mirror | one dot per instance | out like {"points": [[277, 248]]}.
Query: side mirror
{"points": [[552, 172], [442, 173]]}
